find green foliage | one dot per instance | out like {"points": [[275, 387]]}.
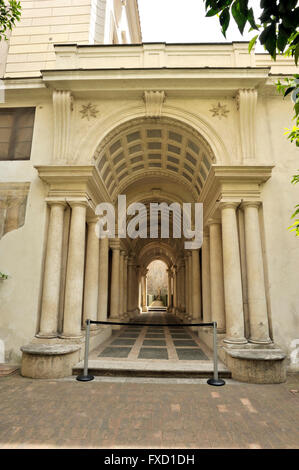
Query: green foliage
{"points": [[277, 25], [3, 276], [291, 86], [10, 12], [278, 33]]}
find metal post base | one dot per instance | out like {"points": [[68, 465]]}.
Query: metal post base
{"points": [[84, 378], [216, 382]]}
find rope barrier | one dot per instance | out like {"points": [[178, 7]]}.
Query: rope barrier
{"points": [[85, 377]]}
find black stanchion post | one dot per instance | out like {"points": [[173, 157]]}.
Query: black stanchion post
{"points": [[86, 377], [215, 380]]}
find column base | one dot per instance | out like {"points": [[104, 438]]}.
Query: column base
{"points": [[260, 366], [235, 340], [258, 341], [66, 336], [46, 335], [43, 361]]}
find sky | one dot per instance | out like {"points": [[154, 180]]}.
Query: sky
{"points": [[176, 21]]}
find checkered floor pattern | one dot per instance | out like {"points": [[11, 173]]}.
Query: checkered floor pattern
{"points": [[139, 342]]}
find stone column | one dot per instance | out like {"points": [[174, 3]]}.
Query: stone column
{"points": [[103, 279], [91, 282], [190, 287], [258, 316], [175, 300], [114, 300], [187, 298], [137, 303], [216, 275], [75, 272], [125, 282], [196, 293], [169, 289], [121, 283], [232, 275], [131, 281], [52, 274], [143, 287], [183, 287], [205, 269]]}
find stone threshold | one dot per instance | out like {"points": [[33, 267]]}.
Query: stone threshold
{"points": [[152, 368]]}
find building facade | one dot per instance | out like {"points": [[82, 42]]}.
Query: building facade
{"points": [[88, 113]]}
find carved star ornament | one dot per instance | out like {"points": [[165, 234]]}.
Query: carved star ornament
{"points": [[219, 110], [88, 111]]}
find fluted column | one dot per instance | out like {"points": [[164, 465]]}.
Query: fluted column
{"points": [[232, 275], [206, 291], [258, 316], [216, 275], [75, 272], [115, 278], [91, 282], [196, 294], [103, 279], [52, 274]]}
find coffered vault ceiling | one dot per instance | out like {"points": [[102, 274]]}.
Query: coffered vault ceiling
{"points": [[150, 147]]}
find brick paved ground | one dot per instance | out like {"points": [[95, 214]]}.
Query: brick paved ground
{"points": [[101, 414]]}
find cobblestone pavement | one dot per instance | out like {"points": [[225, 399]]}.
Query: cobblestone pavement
{"points": [[122, 414]]}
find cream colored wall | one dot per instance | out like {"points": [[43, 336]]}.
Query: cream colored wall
{"points": [[48, 22], [21, 250], [279, 198]]}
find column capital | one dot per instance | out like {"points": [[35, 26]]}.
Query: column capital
{"points": [[77, 203], [256, 204], [55, 202], [92, 220], [214, 221], [229, 205], [114, 244]]}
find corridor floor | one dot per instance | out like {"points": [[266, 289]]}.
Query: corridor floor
{"points": [[153, 342]]}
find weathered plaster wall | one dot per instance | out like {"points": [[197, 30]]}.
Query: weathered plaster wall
{"points": [[21, 250]]}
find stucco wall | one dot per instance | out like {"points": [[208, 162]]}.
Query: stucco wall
{"points": [[21, 250]]}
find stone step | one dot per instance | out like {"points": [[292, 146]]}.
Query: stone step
{"points": [[149, 369], [8, 369]]}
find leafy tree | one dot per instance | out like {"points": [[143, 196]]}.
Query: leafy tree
{"points": [[10, 12], [277, 28]]}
